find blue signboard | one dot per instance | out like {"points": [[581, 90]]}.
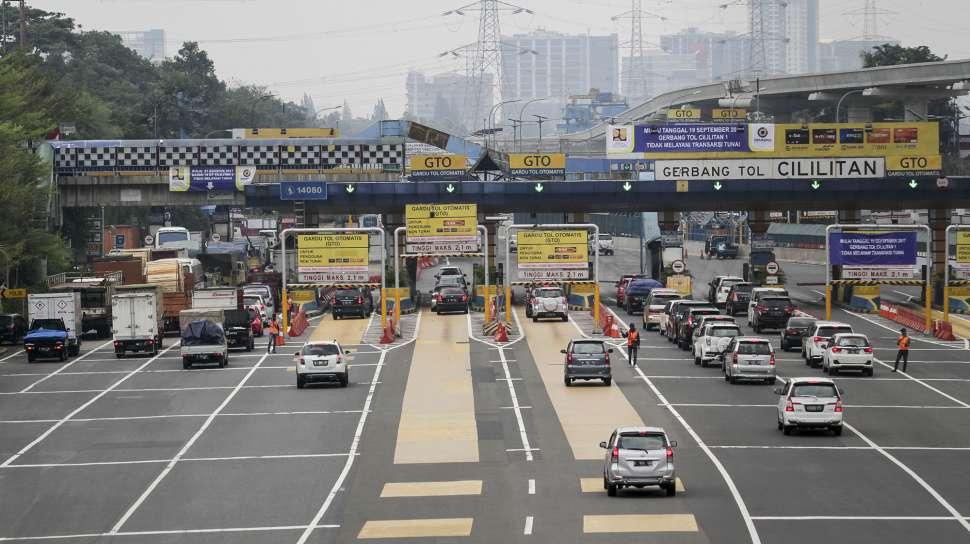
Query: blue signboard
{"points": [[303, 190], [200, 179], [691, 138], [873, 248], [119, 241]]}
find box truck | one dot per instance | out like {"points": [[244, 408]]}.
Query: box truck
{"points": [[137, 319], [65, 306]]}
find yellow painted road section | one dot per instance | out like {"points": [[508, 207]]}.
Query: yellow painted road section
{"points": [[346, 331], [438, 413], [595, 485], [431, 489], [416, 528], [587, 411], [640, 523]]}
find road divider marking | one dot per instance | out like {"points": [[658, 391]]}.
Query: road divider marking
{"points": [[416, 528], [431, 489], [640, 523], [76, 360], [528, 525]]}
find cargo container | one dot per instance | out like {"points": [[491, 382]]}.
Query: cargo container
{"points": [[65, 306], [137, 321], [131, 268], [121, 237]]}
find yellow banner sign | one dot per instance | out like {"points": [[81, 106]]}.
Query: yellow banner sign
{"points": [[692, 114], [729, 114], [681, 283], [301, 296], [480, 290], [914, 165], [333, 252], [963, 247], [535, 161], [437, 162], [553, 248], [14, 293], [280, 133], [441, 222]]}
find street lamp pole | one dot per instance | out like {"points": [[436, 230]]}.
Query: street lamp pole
{"points": [[838, 105], [491, 113], [540, 119], [522, 111]]}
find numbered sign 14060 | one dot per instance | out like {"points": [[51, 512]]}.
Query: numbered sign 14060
{"points": [[303, 190]]}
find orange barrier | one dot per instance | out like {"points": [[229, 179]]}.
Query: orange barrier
{"points": [[388, 337], [501, 334], [298, 325], [943, 330], [903, 315]]}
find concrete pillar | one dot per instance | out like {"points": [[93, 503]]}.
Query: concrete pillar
{"points": [[492, 228], [939, 219], [669, 221], [917, 110], [850, 217], [858, 114], [758, 222], [576, 217]]}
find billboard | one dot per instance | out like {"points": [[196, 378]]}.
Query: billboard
{"points": [[437, 167], [810, 168], [553, 254], [332, 258], [441, 228], [537, 165], [200, 179], [283, 133], [739, 140], [884, 249]]}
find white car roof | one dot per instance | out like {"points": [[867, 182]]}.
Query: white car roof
{"points": [[850, 335], [754, 339], [723, 278], [831, 324], [630, 429], [322, 343], [809, 379]]}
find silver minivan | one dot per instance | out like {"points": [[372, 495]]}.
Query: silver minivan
{"points": [[749, 358], [637, 457]]}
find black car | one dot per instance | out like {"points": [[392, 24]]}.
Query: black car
{"points": [[356, 301], [587, 360], [772, 312], [679, 311], [12, 328], [738, 298], [795, 330], [451, 299], [239, 329], [686, 325]]}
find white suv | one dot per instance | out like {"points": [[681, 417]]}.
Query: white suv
{"points": [[809, 403], [848, 352], [322, 362], [548, 302], [713, 341], [606, 244], [817, 340]]}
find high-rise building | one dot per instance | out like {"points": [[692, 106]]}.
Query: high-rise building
{"points": [[845, 55], [550, 65], [784, 36], [661, 72], [718, 56], [147, 43], [446, 100]]}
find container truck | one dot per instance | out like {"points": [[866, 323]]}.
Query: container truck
{"points": [[65, 306], [95, 294], [177, 280], [235, 321], [136, 316]]}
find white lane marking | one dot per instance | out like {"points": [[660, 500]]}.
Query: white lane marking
{"points": [[12, 355], [724, 405], [532, 486], [182, 460], [926, 385], [77, 410], [854, 518], [185, 448], [738, 500], [528, 525], [77, 359], [167, 416], [887, 448], [936, 495], [169, 532], [513, 396]]}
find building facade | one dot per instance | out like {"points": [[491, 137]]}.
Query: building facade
{"points": [[446, 100], [147, 43]]}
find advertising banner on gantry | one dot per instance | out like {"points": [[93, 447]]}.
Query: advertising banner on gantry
{"points": [[332, 258], [872, 248], [553, 254]]}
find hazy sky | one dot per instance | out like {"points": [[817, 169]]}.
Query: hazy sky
{"points": [[361, 50]]}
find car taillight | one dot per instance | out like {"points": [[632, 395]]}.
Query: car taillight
{"points": [[151, 342], [360, 300], [340, 359], [790, 331], [789, 406], [670, 454], [868, 349], [734, 358], [836, 349], [616, 454], [760, 308], [117, 343], [838, 405], [569, 358], [300, 360], [734, 297], [690, 320], [818, 339], [772, 360], [29, 347], [437, 297], [217, 355], [464, 298], [789, 309]]}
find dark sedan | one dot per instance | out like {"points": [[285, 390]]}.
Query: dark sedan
{"points": [[796, 329], [451, 299]]}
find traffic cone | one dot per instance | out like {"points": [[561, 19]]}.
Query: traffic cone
{"points": [[388, 336], [614, 330], [607, 323], [501, 334]]}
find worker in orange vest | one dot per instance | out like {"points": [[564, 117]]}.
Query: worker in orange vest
{"points": [[903, 353], [274, 331], [632, 343]]}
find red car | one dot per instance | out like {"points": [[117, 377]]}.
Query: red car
{"points": [[622, 285], [256, 321]]}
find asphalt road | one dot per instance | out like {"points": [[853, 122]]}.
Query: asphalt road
{"points": [[449, 437]]}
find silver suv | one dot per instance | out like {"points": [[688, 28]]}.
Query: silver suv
{"points": [[639, 456], [322, 362], [749, 357]]}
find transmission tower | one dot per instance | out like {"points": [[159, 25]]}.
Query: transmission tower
{"points": [[634, 76], [483, 59], [766, 21], [870, 13]]}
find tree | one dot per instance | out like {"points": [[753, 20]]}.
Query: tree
{"points": [[889, 54]]}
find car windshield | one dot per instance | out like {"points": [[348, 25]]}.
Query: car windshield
{"points": [[854, 342], [249, 300], [450, 281], [660, 298], [742, 287], [347, 293], [548, 293], [829, 332], [724, 332], [175, 236], [55, 324], [452, 291], [776, 301], [727, 284], [754, 348], [800, 323], [606, 237], [588, 348], [450, 272], [814, 390], [761, 258], [641, 442], [321, 349]]}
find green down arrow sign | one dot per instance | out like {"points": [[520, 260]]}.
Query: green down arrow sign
{"points": [[539, 187], [450, 188], [627, 186], [913, 184], [717, 186]]}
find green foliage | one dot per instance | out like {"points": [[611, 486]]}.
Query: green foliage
{"points": [[889, 54]]}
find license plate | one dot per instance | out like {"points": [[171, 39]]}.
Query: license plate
{"points": [[319, 363], [44, 348], [646, 463], [813, 408], [852, 351], [754, 363]]}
